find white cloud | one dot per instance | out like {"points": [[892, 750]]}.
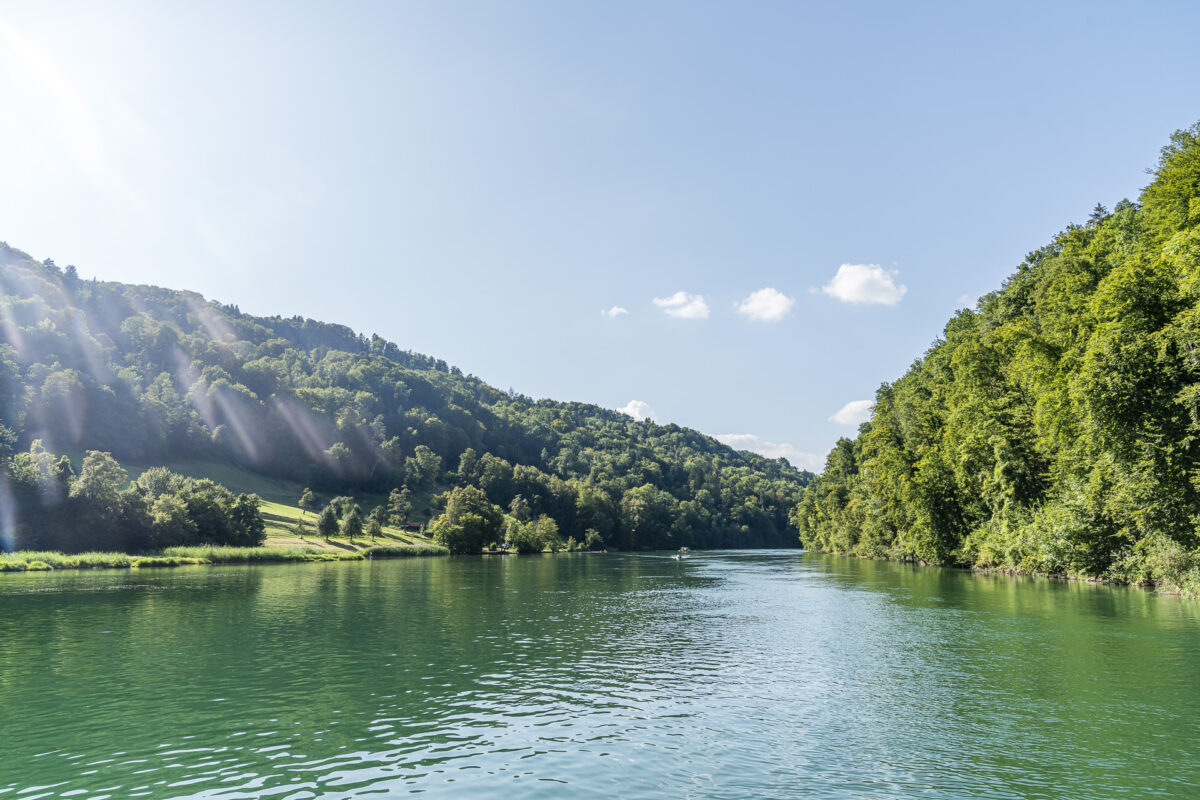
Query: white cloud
{"points": [[615, 311], [683, 305], [965, 301], [755, 444], [865, 283], [855, 412], [766, 305], [639, 410]]}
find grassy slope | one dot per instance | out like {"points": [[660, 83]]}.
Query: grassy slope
{"points": [[280, 511]]}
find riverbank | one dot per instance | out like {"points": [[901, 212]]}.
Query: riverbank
{"points": [[36, 560]]}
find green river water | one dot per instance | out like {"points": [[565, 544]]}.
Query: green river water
{"points": [[722, 675]]}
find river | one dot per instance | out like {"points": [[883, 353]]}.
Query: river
{"points": [[775, 674]]}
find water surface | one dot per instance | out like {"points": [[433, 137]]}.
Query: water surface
{"points": [[724, 675]]}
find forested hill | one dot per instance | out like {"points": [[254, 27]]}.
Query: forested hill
{"points": [[151, 374], [1055, 428]]}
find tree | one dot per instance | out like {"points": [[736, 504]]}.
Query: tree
{"points": [[534, 536], [469, 522], [423, 467], [352, 524], [158, 481], [209, 505], [99, 480], [375, 521], [327, 523], [522, 536], [468, 466], [249, 530], [342, 504], [546, 531], [399, 506], [170, 522], [308, 501], [646, 514], [519, 508]]}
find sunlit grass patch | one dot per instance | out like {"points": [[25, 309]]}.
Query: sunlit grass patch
{"points": [[42, 560], [255, 555], [19, 561], [167, 561], [405, 551]]}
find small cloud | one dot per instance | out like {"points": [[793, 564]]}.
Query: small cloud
{"points": [[965, 301], [865, 284], [855, 412], [756, 444], [683, 305], [766, 305], [615, 311], [639, 410]]}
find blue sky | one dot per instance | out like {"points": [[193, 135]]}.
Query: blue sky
{"points": [[480, 181]]}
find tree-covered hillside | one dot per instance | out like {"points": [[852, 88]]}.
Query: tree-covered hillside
{"points": [[1055, 428], [150, 374]]}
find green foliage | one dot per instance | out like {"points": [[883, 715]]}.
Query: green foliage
{"points": [[534, 536], [399, 506], [1055, 428], [247, 524], [352, 525], [422, 467], [327, 523], [469, 523], [100, 480], [375, 522], [342, 505]]}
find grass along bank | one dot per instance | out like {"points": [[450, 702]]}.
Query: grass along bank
{"points": [[41, 560]]}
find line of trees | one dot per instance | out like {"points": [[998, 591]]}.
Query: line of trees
{"points": [[471, 523], [50, 507], [342, 516]]}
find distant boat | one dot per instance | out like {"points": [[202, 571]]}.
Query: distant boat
{"points": [[685, 550]]}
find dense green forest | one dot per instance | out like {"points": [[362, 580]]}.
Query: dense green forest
{"points": [[1056, 427], [148, 375]]}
